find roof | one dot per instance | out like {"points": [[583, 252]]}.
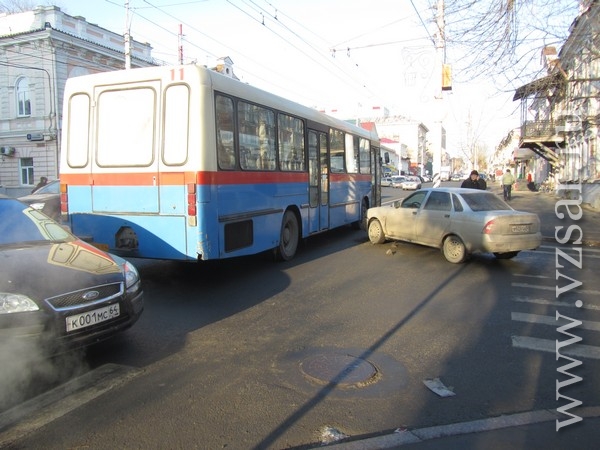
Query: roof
{"points": [[553, 80]]}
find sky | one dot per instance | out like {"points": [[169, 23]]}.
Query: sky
{"points": [[328, 54]]}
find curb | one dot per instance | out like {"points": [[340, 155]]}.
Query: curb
{"points": [[404, 437]]}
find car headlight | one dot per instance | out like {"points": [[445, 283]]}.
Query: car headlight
{"points": [[14, 303], [132, 277]]}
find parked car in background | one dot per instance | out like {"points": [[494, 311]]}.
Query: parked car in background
{"points": [[45, 199], [411, 183], [386, 181], [456, 177], [397, 181], [458, 221], [57, 291]]}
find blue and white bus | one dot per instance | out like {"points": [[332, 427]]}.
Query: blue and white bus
{"points": [[184, 163]]}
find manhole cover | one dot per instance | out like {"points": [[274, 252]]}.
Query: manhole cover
{"points": [[343, 370]]}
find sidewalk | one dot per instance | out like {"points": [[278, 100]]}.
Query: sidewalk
{"points": [[544, 205]]}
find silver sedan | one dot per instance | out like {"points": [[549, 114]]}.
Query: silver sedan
{"points": [[459, 221]]}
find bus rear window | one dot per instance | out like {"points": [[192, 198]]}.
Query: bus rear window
{"points": [[126, 127], [79, 130]]}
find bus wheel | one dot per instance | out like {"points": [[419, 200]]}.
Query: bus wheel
{"points": [[290, 234], [361, 224]]}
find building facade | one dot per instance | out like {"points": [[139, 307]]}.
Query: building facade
{"points": [[560, 112], [39, 50]]}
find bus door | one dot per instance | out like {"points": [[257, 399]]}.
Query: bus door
{"points": [[375, 176], [318, 168], [125, 172]]}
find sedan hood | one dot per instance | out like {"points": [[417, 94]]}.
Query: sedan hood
{"points": [[29, 268]]}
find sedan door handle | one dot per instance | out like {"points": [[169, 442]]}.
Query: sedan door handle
{"points": [[447, 215]]}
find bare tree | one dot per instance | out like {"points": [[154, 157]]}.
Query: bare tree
{"points": [[503, 39], [16, 6]]}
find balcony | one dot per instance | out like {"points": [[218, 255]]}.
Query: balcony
{"points": [[546, 132], [544, 137]]}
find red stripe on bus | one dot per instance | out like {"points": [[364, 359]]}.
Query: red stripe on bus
{"points": [[181, 178], [339, 177], [232, 177]]}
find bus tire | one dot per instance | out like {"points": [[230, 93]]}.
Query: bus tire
{"points": [[289, 237], [361, 224]]}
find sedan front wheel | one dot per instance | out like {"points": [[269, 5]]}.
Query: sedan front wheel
{"points": [[454, 249], [376, 234]]}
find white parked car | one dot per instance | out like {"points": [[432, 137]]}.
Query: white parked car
{"points": [[386, 181], [397, 181], [459, 221], [411, 183]]}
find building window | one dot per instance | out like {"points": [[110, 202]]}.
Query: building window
{"points": [[23, 100], [27, 171]]}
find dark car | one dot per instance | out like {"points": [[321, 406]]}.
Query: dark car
{"points": [[45, 199], [57, 290]]}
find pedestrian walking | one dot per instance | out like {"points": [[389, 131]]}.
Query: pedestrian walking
{"points": [[474, 182], [507, 181]]}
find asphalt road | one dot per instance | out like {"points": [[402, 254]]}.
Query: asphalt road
{"points": [[249, 353]]}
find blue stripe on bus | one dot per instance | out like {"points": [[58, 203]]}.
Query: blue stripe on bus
{"points": [[168, 235]]}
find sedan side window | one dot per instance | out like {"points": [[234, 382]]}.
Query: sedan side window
{"points": [[438, 201], [415, 200], [458, 207]]}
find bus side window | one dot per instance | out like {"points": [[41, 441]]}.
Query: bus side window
{"points": [[225, 143], [256, 127], [365, 156], [336, 152], [291, 143]]}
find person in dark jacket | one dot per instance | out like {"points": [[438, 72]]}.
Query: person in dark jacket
{"points": [[43, 182], [474, 182]]}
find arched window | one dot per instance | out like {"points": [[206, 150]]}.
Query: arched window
{"points": [[23, 99]]}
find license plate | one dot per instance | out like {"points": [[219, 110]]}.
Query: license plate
{"points": [[520, 228], [87, 319]]}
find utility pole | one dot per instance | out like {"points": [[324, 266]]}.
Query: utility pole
{"points": [[180, 42], [440, 51], [127, 37]]}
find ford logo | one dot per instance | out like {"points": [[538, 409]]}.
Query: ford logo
{"points": [[91, 295]]}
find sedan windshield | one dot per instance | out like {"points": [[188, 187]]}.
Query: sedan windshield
{"points": [[478, 201], [21, 224]]}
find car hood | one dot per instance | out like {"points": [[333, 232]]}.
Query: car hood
{"points": [[42, 270]]}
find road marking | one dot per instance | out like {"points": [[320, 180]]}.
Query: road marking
{"points": [[543, 301], [552, 321], [530, 276], [585, 255], [553, 288], [49, 406], [547, 345], [567, 248]]}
